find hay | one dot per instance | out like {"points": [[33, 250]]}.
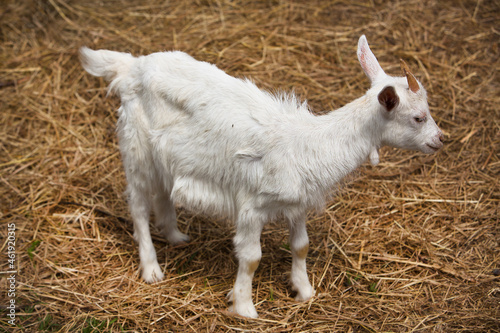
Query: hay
{"points": [[411, 245]]}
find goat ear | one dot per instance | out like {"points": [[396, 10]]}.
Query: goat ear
{"points": [[388, 98], [368, 61]]}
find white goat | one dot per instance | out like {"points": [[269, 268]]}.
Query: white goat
{"points": [[192, 135]]}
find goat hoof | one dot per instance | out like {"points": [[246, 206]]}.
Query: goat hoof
{"points": [[176, 237], [152, 273], [305, 294], [245, 310]]}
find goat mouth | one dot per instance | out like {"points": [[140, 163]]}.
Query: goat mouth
{"points": [[433, 147]]}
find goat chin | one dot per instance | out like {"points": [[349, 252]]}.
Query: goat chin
{"points": [[192, 135]]}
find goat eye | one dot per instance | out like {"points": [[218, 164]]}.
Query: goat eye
{"points": [[419, 120]]}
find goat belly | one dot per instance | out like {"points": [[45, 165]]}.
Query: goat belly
{"points": [[202, 196]]}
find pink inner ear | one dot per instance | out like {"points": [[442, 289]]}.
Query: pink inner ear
{"points": [[368, 62], [362, 60], [366, 68]]}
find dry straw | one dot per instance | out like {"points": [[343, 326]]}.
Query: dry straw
{"points": [[411, 245]]}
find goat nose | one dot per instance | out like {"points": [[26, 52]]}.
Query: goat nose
{"points": [[441, 136]]}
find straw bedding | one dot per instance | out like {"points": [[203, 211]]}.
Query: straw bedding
{"points": [[411, 245]]}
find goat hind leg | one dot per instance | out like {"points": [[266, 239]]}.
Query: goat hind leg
{"points": [[166, 220], [139, 209]]}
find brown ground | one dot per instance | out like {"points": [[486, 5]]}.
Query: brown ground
{"points": [[411, 245]]}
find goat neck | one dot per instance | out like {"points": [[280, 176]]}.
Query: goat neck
{"points": [[341, 141]]}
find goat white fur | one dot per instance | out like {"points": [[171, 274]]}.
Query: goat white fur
{"points": [[192, 135]]}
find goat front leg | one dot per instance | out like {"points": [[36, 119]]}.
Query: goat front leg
{"points": [[248, 252], [299, 244], [139, 210]]}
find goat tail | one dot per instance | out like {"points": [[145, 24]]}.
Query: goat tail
{"points": [[111, 65]]}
